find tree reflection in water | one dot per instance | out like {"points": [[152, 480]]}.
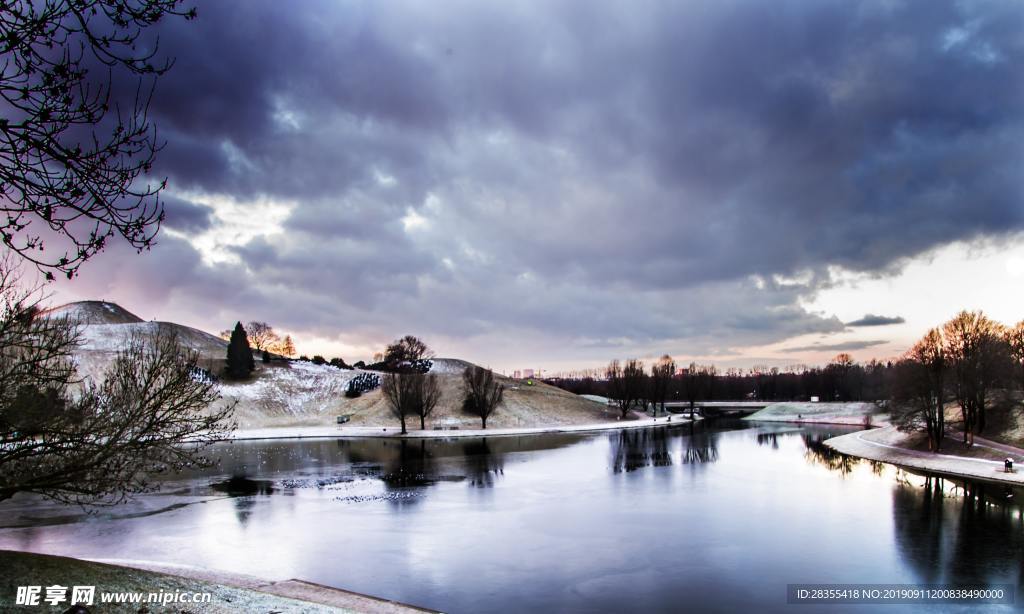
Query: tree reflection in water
{"points": [[950, 531], [701, 447], [482, 465], [819, 454], [634, 449], [410, 466], [768, 439], [243, 492]]}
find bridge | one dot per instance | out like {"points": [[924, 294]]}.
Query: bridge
{"points": [[718, 408]]}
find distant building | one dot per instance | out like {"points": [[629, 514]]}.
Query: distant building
{"points": [[517, 375], [527, 373]]}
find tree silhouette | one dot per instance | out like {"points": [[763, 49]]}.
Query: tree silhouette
{"points": [[287, 347], [975, 347], [262, 336], [661, 377], [625, 383], [429, 394], [85, 442], [240, 360], [73, 158], [918, 393], [1015, 341], [406, 349], [483, 393], [400, 395]]}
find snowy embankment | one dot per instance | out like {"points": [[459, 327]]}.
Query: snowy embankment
{"points": [[296, 388], [887, 445], [823, 413]]}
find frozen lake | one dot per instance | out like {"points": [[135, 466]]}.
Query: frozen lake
{"points": [[716, 517]]}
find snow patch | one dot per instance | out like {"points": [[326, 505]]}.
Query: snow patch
{"points": [[301, 388], [448, 366]]}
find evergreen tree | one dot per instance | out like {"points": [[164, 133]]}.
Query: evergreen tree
{"points": [[287, 347], [240, 360]]}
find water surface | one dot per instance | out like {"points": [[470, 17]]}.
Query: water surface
{"points": [[716, 517]]}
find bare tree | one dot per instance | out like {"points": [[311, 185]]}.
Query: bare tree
{"points": [[261, 335], [483, 393], [625, 383], [1015, 342], [428, 395], [399, 393], [918, 394], [707, 375], [841, 371], [406, 349], [661, 376], [974, 347], [86, 442], [73, 158]]}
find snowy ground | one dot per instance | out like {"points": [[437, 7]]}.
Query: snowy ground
{"points": [[415, 433], [886, 445], [830, 413], [291, 389], [229, 592], [448, 366]]}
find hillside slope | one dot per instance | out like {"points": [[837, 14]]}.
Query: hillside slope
{"points": [[106, 327], [301, 393]]}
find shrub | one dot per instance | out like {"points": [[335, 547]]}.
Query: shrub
{"points": [[338, 363], [364, 382]]}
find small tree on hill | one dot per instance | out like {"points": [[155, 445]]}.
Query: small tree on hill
{"points": [[406, 349], [262, 336], [240, 360], [428, 396], [400, 394], [483, 393], [286, 347]]}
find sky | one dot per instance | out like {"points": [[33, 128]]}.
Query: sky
{"points": [[554, 184]]}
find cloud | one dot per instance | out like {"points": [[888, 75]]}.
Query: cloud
{"points": [[873, 320], [845, 346], [635, 176], [185, 216]]}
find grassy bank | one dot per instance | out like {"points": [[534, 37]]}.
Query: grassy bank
{"points": [[228, 594]]}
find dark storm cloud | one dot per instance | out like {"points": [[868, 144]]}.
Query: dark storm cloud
{"points": [[593, 170], [873, 320], [186, 216], [845, 346]]}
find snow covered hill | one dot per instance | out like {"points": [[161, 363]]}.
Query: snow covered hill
{"points": [[105, 328], [293, 393]]}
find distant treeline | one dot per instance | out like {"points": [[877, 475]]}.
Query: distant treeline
{"points": [[843, 379], [970, 360]]}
